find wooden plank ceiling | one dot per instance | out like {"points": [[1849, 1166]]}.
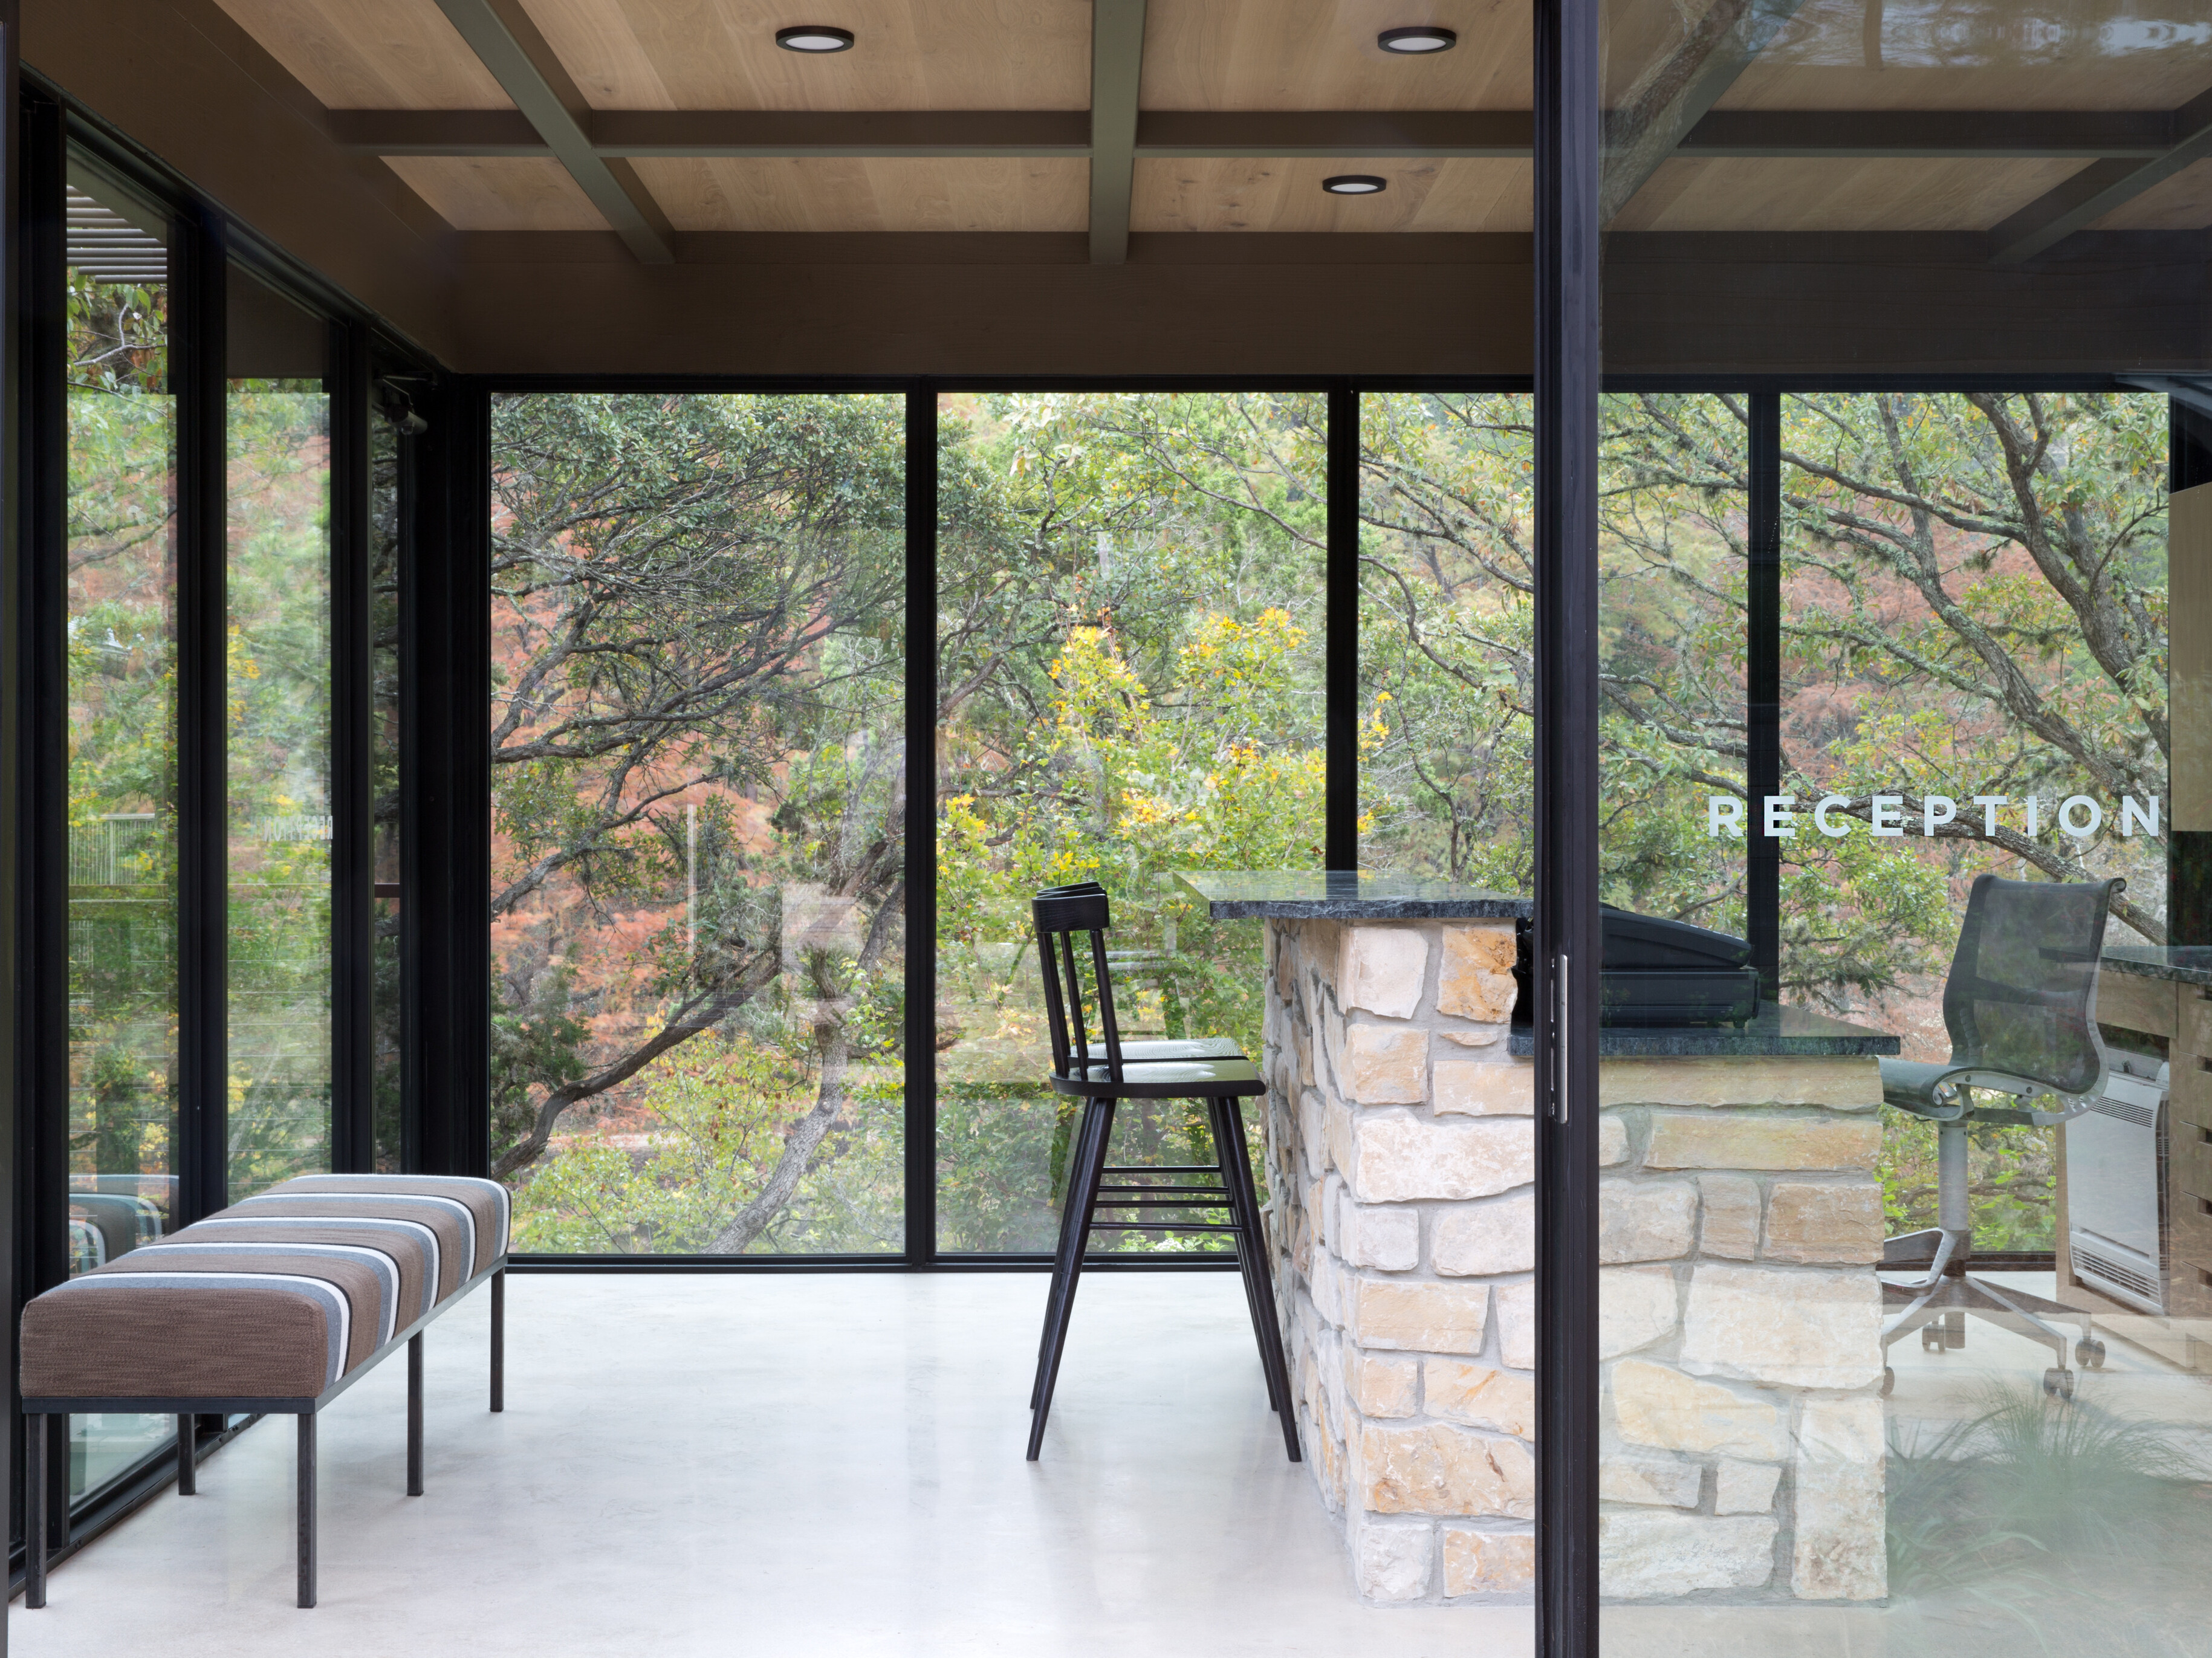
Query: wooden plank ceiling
{"points": [[662, 119]]}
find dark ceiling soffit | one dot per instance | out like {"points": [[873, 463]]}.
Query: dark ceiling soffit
{"points": [[2099, 188], [1165, 134], [1843, 256], [528, 71], [1678, 93], [1117, 62]]}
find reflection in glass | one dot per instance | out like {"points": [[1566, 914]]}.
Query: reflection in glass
{"points": [[698, 795], [1973, 667], [279, 595], [1131, 621], [122, 780]]}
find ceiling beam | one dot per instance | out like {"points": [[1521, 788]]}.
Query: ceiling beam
{"points": [[1874, 134], [1680, 91], [1117, 65], [2079, 201], [1812, 135], [501, 34]]}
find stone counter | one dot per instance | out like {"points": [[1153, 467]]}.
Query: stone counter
{"points": [[1740, 1315]]}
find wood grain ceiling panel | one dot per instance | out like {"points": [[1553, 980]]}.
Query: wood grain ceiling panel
{"points": [[910, 54], [1885, 195], [839, 193], [498, 193], [371, 54], [1447, 195], [2182, 203], [2052, 54], [1290, 54]]}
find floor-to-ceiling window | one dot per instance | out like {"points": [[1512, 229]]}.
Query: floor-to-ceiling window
{"points": [[122, 783], [1132, 625], [699, 778], [277, 583]]}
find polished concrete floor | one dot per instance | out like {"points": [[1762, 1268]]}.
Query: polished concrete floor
{"points": [[822, 1464]]}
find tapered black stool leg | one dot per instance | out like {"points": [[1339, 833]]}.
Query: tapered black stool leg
{"points": [[1070, 1218], [188, 1467], [1263, 1288], [305, 1499], [499, 1339], [1071, 1263], [34, 1510], [1228, 1143], [414, 1415]]}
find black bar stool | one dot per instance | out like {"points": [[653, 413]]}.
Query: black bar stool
{"points": [[1211, 1069]]}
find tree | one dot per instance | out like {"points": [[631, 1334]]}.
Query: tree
{"points": [[698, 603]]}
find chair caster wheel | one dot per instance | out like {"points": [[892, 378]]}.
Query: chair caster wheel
{"points": [[1888, 1381], [1932, 1339], [2059, 1385], [2089, 1353]]}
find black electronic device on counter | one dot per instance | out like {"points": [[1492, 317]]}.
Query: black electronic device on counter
{"points": [[1658, 972]]}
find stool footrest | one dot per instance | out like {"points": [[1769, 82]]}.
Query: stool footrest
{"points": [[1161, 1226]]}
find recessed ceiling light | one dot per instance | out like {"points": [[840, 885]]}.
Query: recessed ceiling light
{"points": [[1424, 37], [1355, 184], [814, 37]]}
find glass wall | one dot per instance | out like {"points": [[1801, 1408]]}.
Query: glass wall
{"points": [[1131, 622], [384, 512], [278, 572], [1898, 1310], [698, 795], [122, 760]]}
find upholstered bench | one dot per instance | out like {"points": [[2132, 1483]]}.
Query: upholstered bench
{"points": [[275, 1305]]}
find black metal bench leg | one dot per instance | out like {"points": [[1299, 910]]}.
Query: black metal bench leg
{"points": [[1069, 1270], [1078, 1160], [1247, 1197], [188, 1465], [499, 1339], [414, 1415], [1225, 1146], [34, 1510], [305, 1502]]}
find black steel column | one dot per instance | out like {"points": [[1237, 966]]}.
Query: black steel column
{"points": [[2188, 852], [921, 878], [196, 370], [34, 705], [1341, 786], [1762, 691], [1567, 368], [353, 900], [444, 645]]}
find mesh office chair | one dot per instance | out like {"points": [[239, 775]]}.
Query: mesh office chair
{"points": [[2020, 1006]]}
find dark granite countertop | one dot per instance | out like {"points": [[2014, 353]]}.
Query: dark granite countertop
{"points": [[1774, 1031], [1342, 894], [2188, 964]]}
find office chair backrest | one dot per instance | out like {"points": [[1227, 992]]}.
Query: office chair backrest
{"points": [[2022, 998], [1062, 913]]}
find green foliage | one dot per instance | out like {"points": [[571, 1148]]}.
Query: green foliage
{"points": [[2029, 1489]]}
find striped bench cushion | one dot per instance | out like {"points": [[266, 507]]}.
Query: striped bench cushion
{"points": [[274, 1297]]}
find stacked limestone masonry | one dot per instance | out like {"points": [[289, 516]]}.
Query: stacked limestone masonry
{"points": [[1739, 1314]]}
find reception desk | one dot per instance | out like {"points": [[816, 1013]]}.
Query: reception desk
{"points": [[2159, 1000], [1740, 1222]]}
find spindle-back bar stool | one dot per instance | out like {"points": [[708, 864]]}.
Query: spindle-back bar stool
{"points": [[1212, 1069]]}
